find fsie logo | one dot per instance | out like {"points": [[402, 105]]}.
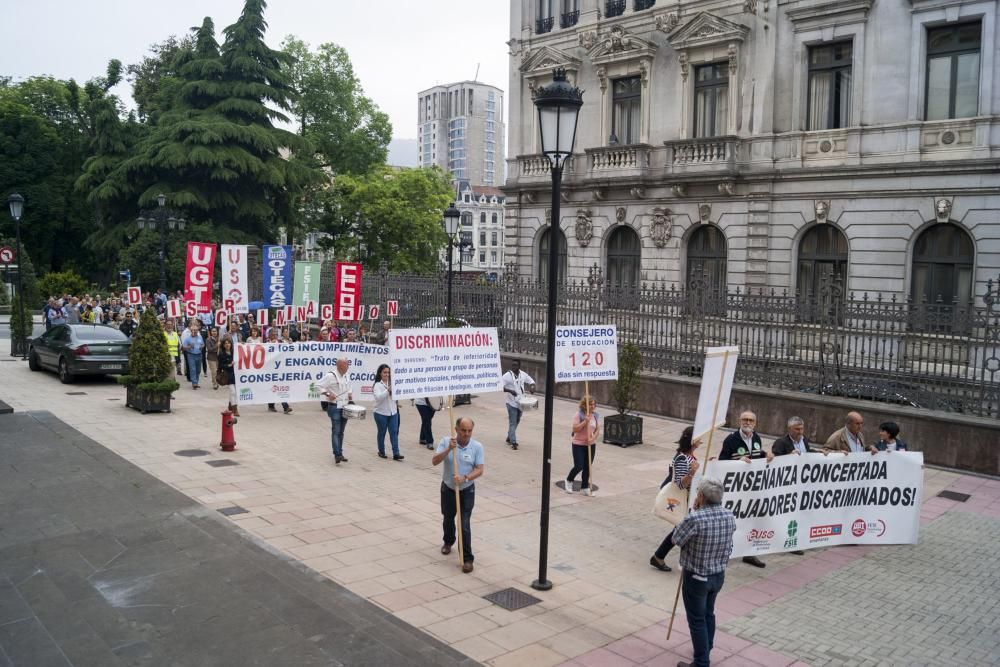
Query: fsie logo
{"points": [[793, 529], [830, 530]]}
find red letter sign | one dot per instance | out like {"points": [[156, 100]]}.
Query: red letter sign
{"points": [[135, 296], [392, 308], [198, 275], [347, 287]]}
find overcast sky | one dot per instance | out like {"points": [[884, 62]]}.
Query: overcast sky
{"points": [[398, 47]]}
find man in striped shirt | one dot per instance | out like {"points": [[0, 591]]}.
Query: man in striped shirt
{"points": [[705, 537]]}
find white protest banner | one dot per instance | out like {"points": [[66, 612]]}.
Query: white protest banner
{"points": [[234, 278], [716, 386], [586, 353], [275, 372], [805, 501], [443, 362], [135, 296], [175, 307]]}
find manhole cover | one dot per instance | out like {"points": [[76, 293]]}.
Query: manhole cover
{"points": [[954, 495], [235, 509], [76, 393], [512, 599], [192, 452], [222, 463]]}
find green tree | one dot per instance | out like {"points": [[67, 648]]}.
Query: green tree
{"points": [[32, 302], [57, 283], [152, 77], [149, 363], [391, 215], [348, 131]]}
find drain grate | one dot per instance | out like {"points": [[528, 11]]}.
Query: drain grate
{"points": [[954, 495], [512, 599], [222, 463], [235, 509], [76, 393], [192, 452]]}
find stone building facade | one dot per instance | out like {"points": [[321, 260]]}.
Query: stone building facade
{"points": [[762, 143], [482, 227]]}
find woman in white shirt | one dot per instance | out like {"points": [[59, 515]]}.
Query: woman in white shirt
{"points": [[386, 412]]}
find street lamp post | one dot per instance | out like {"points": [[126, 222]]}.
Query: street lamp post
{"points": [[452, 216], [16, 203], [164, 218], [558, 109]]}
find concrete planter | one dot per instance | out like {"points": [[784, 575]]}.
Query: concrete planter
{"points": [[147, 401]]}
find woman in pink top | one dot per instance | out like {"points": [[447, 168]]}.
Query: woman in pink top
{"points": [[584, 438]]}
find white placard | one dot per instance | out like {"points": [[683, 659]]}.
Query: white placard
{"points": [[808, 501], [392, 308], [444, 362], [586, 353], [175, 308], [276, 372], [135, 296], [716, 387], [234, 277]]}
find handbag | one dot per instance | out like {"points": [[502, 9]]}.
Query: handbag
{"points": [[221, 377], [671, 503]]}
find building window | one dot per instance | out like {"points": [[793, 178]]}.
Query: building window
{"points": [[466, 219], [643, 4], [822, 258], [494, 218], [953, 71], [706, 269], [570, 13], [942, 277], [614, 8], [543, 256], [493, 238], [626, 108], [493, 256], [624, 255], [482, 256], [545, 19], [830, 67], [482, 238], [482, 218], [711, 99]]}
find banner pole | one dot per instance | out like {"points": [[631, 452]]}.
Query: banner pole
{"points": [[708, 454], [458, 497], [590, 455]]}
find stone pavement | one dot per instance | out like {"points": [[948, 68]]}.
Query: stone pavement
{"points": [[102, 564], [373, 526]]}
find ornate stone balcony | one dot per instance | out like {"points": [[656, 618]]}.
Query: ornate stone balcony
{"points": [[538, 168], [618, 161], [711, 154]]}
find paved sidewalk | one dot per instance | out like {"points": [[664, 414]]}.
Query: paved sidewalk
{"points": [[373, 525], [102, 564]]}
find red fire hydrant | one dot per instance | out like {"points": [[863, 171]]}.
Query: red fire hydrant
{"points": [[228, 442]]}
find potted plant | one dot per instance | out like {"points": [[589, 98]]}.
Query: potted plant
{"points": [[150, 381], [624, 429]]}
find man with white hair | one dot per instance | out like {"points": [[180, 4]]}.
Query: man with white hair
{"points": [[745, 445], [705, 537], [336, 389], [794, 442]]}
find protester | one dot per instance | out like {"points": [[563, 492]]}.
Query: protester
{"points": [[427, 413], [350, 336], [272, 337], [254, 336], [794, 441], [212, 354], [705, 537], [337, 390], [73, 311], [87, 317], [193, 345], [584, 444], [849, 438], [682, 471], [173, 343], [889, 440], [745, 445], [386, 412], [380, 337], [471, 462], [514, 383], [128, 326], [363, 335], [233, 332], [226, 365]]}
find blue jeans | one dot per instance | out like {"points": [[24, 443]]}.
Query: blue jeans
{"points": [[699, 603], [448, 511], [337, 425], [194, 366], [513, 419], [391, 424]]}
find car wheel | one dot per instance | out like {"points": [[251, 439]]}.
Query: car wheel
{"points": [[33, 361], [64, 375]]}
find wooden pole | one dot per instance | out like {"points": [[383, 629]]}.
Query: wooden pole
{"points": [[708, 454], [590, 457], [458, 496]]}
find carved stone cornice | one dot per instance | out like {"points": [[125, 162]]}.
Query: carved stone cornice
{"points": [[706, 30], [540, 62], [618, 45], [815, 15]]}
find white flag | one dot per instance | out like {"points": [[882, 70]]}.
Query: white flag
{"points": [[234, 277]]}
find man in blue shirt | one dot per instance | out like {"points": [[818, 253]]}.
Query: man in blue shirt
{"points": [[705, 537], [470, 467], [193, 344]]}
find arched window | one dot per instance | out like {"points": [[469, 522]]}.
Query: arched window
{"points": [[543, 256], [942, 266], [624, 255], [822, 259], [706, 259]]}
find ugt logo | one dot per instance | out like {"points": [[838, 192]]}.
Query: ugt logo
{"points": [[793, 529]]}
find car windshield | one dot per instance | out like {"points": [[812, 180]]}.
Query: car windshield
{"points": [[99, 333]]}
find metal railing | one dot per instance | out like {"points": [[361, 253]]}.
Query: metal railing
{"points": [[544, 25], [640, 5], [939, 355], [614, 8], [569, 19]]}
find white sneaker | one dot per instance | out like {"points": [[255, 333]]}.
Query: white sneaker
{"points": [[569, 487], [589, 492]]}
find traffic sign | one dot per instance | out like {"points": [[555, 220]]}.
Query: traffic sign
{"points": [[7, 254]]}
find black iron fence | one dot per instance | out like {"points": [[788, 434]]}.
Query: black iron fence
{"points": [[934, 355]]}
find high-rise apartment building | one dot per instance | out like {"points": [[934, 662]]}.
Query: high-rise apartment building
{"points": [[460, 127]]}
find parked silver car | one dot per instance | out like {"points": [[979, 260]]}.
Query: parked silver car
{"points": [[80, 349]]}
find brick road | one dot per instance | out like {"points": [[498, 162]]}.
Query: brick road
{"points": [[374, 526]]}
